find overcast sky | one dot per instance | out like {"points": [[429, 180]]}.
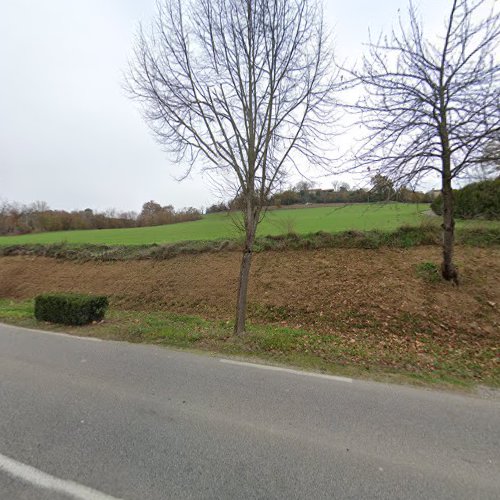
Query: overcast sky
{"points": [[69, 135]]}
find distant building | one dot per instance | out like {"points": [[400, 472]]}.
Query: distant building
{"points": [[433, 193]]}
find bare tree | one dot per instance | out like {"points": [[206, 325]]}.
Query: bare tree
{"points": [[243, 89], [431, 102]]}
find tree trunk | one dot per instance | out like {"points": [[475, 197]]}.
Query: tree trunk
{"points": [[246, 261], [448, 269]]}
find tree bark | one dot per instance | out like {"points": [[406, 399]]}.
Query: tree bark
{"points": [[448, 269], [246, 261]]}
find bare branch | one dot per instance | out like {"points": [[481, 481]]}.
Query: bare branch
{"points": [[432, 104], [242, 88]]}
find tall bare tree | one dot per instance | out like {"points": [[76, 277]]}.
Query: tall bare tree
{"points": [[431, 102], [242, 88]]}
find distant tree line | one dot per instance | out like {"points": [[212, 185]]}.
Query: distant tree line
{"points": [[16, 218], [382, 189]]}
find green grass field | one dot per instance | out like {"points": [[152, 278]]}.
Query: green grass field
{"points": [[384, 217], [221, 226]]}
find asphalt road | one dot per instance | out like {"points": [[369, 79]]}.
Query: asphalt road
{"points": [[81, 418]]}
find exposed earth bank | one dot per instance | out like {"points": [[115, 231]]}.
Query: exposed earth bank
{"points": [[372, 297]]}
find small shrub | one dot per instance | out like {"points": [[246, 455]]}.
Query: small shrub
{"points": [[429, 272], [70, 309]]}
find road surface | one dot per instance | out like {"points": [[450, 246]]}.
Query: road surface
{"points": [[82, 418]]}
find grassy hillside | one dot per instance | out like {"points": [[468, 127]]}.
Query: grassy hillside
{"points": [[218, 226], [331, 219]]}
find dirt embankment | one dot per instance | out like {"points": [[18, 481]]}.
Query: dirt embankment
{"points": [[354, 306], [328, 289]]}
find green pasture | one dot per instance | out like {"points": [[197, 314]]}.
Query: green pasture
{"points": [[222, 226]]}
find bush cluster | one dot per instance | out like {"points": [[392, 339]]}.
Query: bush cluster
{"points": [[477, 200], [69, 308], [382, 190]]}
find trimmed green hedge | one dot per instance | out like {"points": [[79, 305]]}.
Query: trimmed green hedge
{"points": [[70, 308], [477, 200]]}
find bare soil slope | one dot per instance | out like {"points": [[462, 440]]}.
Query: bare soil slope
{"points": [[373, 296]]}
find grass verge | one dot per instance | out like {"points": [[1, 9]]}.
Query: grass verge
{"points": [[276, 344]]}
